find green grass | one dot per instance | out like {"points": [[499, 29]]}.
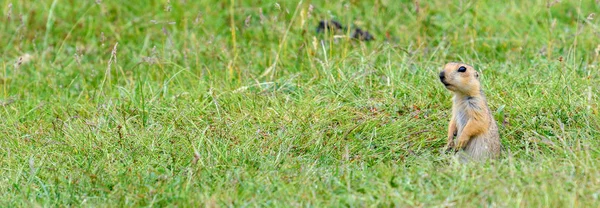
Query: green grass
{"points": [[190, 112]]}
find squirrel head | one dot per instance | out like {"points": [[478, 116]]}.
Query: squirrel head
{"points": [[460, 78]]}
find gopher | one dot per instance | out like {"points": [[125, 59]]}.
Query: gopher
{"points": [[472, 123]]}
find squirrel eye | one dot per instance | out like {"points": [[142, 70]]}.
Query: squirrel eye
{"points": [[462, 69]]}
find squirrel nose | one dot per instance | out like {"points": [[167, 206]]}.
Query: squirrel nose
{"points": [[442, 76]]}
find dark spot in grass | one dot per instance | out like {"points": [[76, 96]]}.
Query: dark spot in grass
{"points": [[337, 27], [362, 35], [329, 25]]}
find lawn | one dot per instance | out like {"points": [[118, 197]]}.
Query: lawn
{"points": [[242, 103]]}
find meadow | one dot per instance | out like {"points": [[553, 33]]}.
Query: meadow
{"points": [[242, 103]]}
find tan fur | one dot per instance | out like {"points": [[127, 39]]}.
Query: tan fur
{"points": [[472, 122]]}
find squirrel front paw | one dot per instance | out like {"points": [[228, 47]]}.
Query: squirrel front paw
{"points": [[461, 144], [449, 146]]}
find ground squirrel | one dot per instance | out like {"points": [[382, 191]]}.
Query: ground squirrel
{"points": [[472, 122]]}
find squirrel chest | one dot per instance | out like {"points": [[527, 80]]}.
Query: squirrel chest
{"points": [[465, 108]]}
